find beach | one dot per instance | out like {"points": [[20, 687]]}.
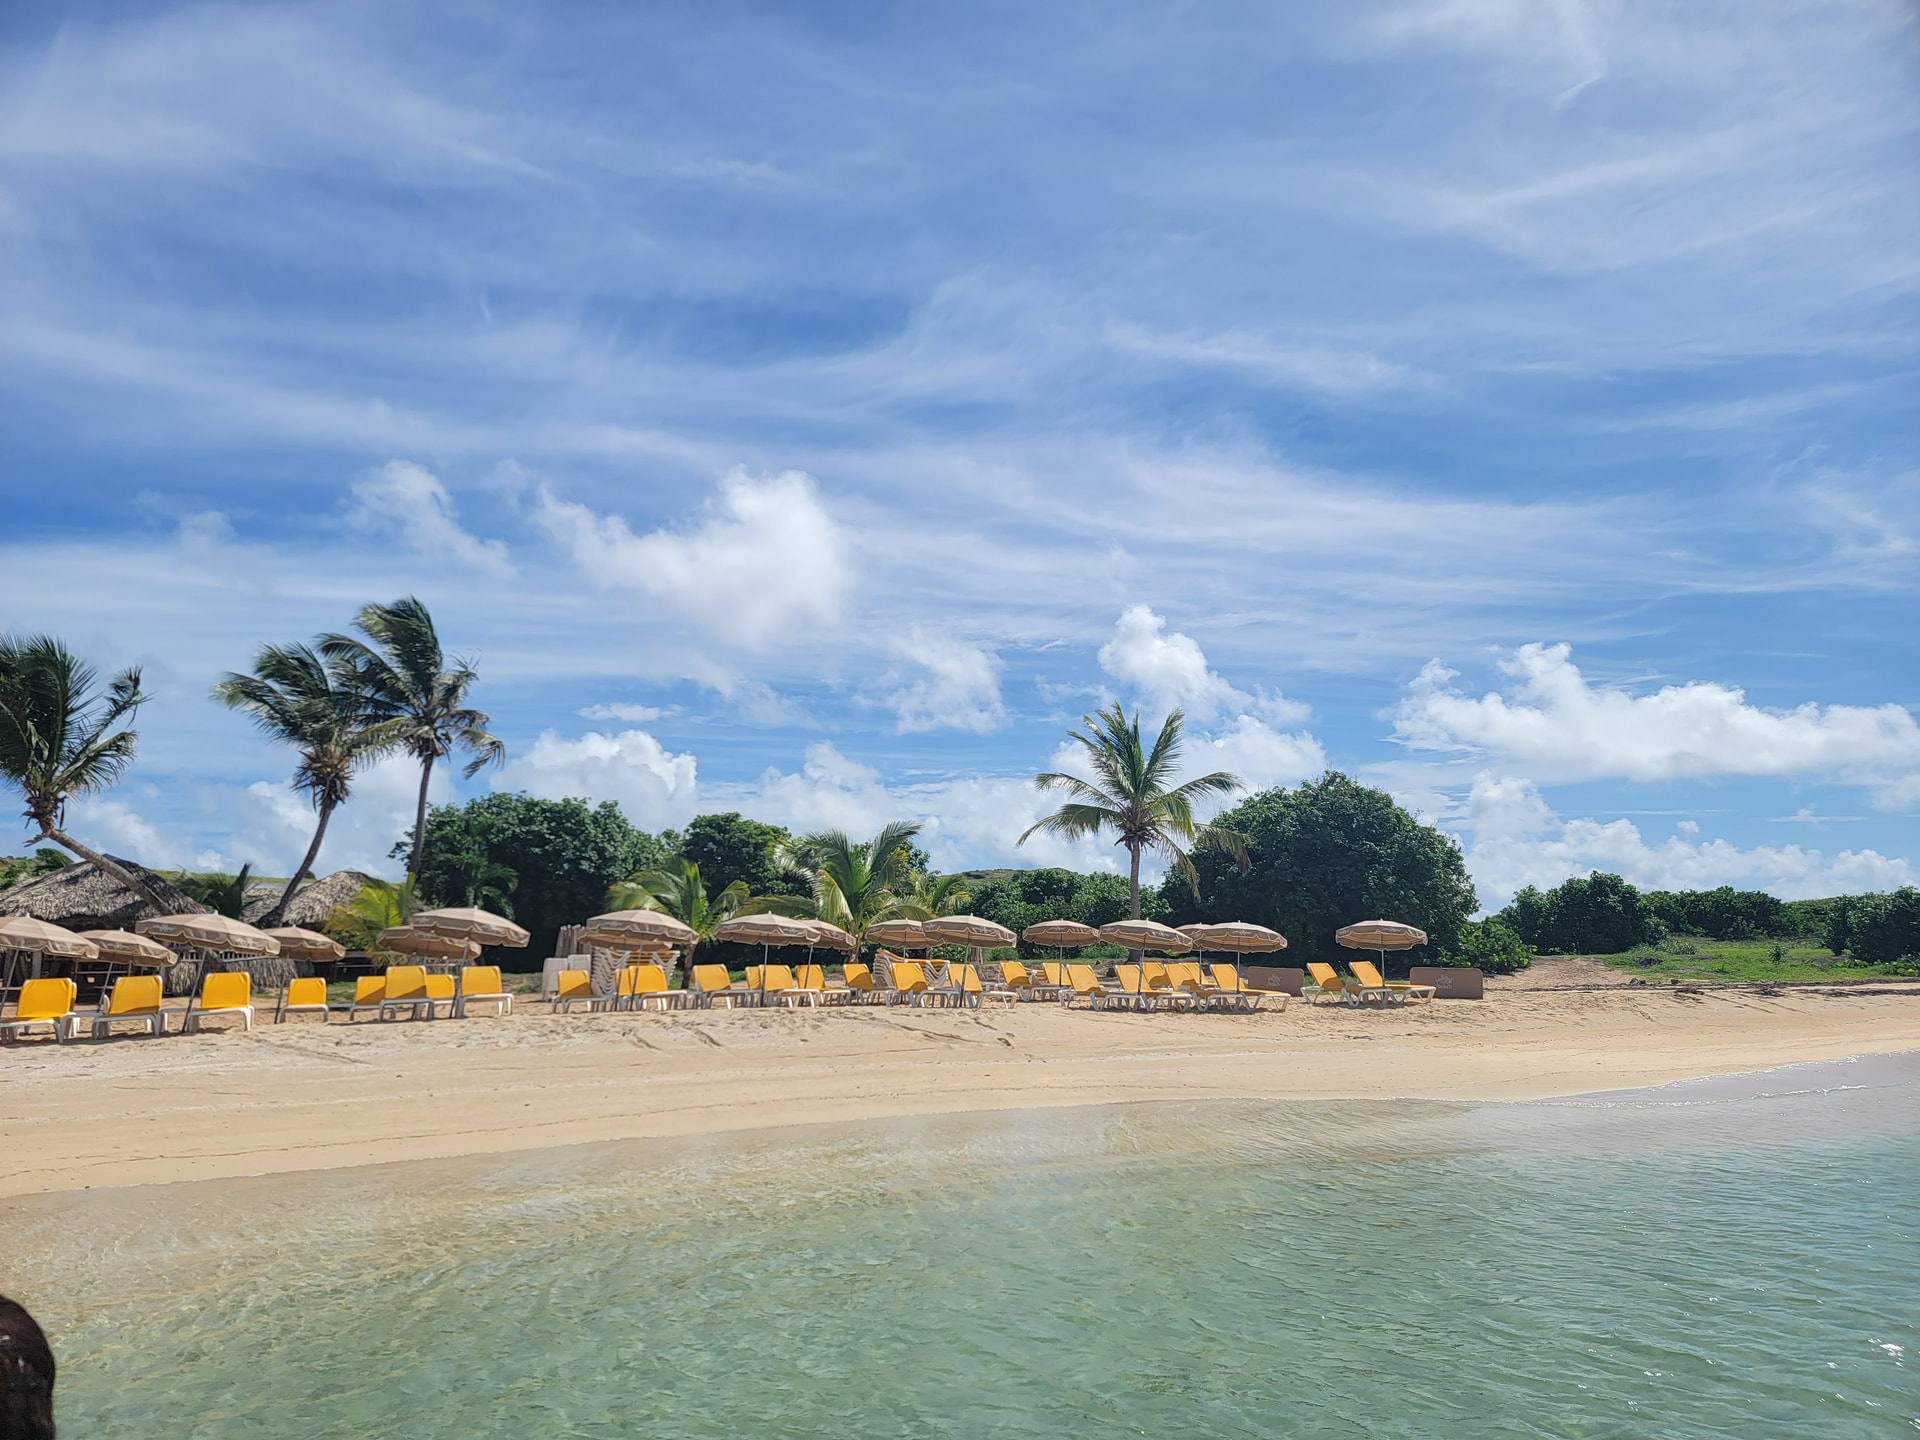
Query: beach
{"points": [[302, 1096]]}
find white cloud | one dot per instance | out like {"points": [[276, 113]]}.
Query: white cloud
{"points": [[1171, 669], [632, 714], [1312, 367], [1260, 755], [403, 500], [1555, 726], [1518, 840], [765, 560], [654, 787], [961, 689]]}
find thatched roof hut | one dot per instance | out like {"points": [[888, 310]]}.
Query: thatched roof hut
{"points": [[84, 897], [312, 903]]}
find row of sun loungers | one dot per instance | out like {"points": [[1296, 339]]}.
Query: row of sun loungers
{"points": [[412, 992]]}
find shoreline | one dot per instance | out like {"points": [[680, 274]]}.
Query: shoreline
{"points": [[302, 1097]]}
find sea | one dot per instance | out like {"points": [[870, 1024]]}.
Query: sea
{"points": [[1735, 1257]]}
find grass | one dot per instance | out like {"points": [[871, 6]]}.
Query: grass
{"points": [[1782, 962]]}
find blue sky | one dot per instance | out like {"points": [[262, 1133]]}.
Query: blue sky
{"points": [[813, 410]]}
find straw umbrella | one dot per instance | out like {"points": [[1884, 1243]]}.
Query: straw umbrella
{"points": [[1381, 936], [766, 931], [39, 938]]}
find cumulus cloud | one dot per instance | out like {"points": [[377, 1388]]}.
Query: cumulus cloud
{"points": [[1170, 669], [1256, 752], [404, 500], [1554, 726], [1518, 840], [765, 559], [655, 787], [960, 689]]}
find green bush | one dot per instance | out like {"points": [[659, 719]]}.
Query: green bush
{"points": [[1492, 948]]}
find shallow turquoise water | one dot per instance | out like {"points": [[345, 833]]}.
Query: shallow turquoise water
{"points": [[1699, 1262]]}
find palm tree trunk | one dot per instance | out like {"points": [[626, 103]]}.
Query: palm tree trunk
{"points": [[420, 819], [279, 910], [108, 866], [1133, 884]]}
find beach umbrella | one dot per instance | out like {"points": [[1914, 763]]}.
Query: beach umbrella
{"points": [[1146, 935], [1065, 934], [902, 934], [123, 947], [467, 923], [1240, 936], [647, 927], [1380, 935], [766, 931], [42, 937], [210, 932], [301, 944], [830, 936], [972, 931], [405, 940]]}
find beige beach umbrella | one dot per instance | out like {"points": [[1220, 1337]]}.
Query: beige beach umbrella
{"points": [[970, 930], [1242, 937], [1380, 935], [298, 943], [468, 923], [1146, 935], [42, 937], [405, 940], [645, 927], [123, 947], [901, 934], [210, 932], [1066, 934], [830, 936], [766, 931]]}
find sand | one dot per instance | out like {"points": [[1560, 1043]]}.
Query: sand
{"points": [[303, 1096]]}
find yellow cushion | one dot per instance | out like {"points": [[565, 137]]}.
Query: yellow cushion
{"points": [[480, 980], [309, 991], [48, 998], [226, 990], [134, 995]]}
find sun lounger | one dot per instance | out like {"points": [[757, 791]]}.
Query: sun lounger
{"points": [[909, 982], [1017, 983], [1401, 991], [1086, 985], [406, 990], [709, 983], [225, 992], [481, 984], [860, 985], [1228, 984], [369, 993], [1053, 983], [304, 996], [442, 989], [47, 1001], [574, 987], [134, 999], [1157, 983], [1324, 983]]}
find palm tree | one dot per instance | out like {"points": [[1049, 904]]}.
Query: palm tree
{"points": [[406, 678], [58, 739], [319, 708], [939, 894], [475, 880], [380, 905], [675, 888], [223, 894], [1131, 798], [856, 885]]}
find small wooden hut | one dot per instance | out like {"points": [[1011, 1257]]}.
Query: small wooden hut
{"points": [[84, 897]]}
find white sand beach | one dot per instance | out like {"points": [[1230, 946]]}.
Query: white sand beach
{"points": [[302, 1096]]}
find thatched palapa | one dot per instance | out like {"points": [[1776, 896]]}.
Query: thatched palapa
{"points": [[84, 897], [312, 903]]}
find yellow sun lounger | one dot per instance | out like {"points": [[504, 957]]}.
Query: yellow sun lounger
{"points": [[47, 1001], [135, 999], [1086, 985], [369, 993], [480, 984], [909, 982], [1370, 978], [709, 983], [1324, 983], [304, 996], [226, 992], [1227, 983], [575, 987], [860, 984], [407, 989], [637, 986]]}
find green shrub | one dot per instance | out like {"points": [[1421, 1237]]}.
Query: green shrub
{"points": [[1492, 948]]}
